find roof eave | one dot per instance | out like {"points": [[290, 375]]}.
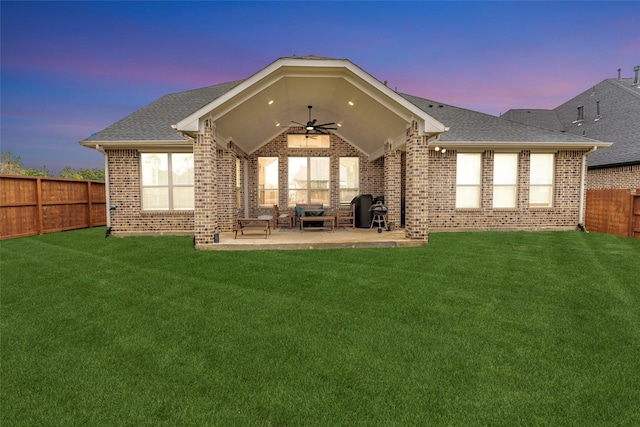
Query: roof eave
{"points": [[519, 145], [139, 144]]}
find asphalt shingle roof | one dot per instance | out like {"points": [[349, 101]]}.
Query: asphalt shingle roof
{"points": [[468, 125], [153, 122], [618, 122]]}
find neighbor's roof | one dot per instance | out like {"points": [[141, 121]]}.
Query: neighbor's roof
{"points": [[618, 122]]}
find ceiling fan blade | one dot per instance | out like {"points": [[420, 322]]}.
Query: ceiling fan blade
{"points": [[325, 124], [298, 123]]}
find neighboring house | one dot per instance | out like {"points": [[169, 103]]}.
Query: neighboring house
{"points": [[608, 111], [193, 162]]}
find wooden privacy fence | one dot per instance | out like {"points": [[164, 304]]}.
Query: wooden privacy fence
{"points": [[38, 205], [613, 212]]}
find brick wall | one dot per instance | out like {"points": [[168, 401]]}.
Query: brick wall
{"points": [[621, 177], [563, 214], [418, 189], [393, 184], [205, 162], [226, 190], [128, 219], [432, 184]]}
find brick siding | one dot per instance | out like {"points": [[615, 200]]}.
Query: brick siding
{"points": [[428, 184], [393, 184], [620, 177], [563, 215], [418, 186], [128, 219]]}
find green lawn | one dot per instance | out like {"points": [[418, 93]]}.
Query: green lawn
{"points": [[475, 329]]}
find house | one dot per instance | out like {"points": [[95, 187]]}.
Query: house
{"points": [[608, 111], [321, 130]]}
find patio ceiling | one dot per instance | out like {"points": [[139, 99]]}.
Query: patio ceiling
{"points": [[367, 113]]}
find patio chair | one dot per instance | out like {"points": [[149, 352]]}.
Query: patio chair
{"points": [[346, 217], [284, 217]]}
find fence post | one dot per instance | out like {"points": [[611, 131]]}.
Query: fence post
{"points": [[89, 204], [39, 203]]}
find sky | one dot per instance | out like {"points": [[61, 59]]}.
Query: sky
{"points": [[69, 69]]}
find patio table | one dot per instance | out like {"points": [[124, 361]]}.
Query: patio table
{"points": [[243, 224]]}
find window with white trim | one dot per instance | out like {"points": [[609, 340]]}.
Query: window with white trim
{"points": [[505, 179], [468, 180], [541, 180], [267, 181], [349, 179], [308, 141], [167, 181], [309, 180]]}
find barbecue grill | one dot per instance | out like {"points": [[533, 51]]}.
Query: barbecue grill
{"points": [[379, 211]]}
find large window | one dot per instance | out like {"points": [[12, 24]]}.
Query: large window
{"points": [[541, 183], [468, 180], [308, 141], [505, 178], [167, 181], [267, 181], [309, 180], [349, 179]]}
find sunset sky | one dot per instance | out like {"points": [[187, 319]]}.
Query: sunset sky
{"points": [[70, 69]]}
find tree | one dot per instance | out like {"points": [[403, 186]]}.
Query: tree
{"points": [[67, 172], [10, 164], [43, 171], [83, 173]]}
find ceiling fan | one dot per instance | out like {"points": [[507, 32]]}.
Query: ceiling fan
{"points": [[311, 125]]}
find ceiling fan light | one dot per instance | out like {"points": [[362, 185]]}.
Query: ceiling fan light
{"points": [[309, 127]]}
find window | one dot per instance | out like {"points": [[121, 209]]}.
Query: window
{"points": [[238, 183], [309, 180], [308, 141], [505, 178], [349, 179], [468, 179], [162, 190], [267, 181], [541, 183]]}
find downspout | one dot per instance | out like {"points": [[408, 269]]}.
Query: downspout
{"points": [[106, 188], [583, 173]]}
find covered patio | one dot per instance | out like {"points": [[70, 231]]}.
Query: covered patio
{"points": [[356, 126], [293, 239]]}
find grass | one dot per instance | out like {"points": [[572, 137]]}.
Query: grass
{"points": [[476, 329]]}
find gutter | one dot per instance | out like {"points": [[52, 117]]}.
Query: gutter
{"points": [[106, 187], [583, 173]]}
